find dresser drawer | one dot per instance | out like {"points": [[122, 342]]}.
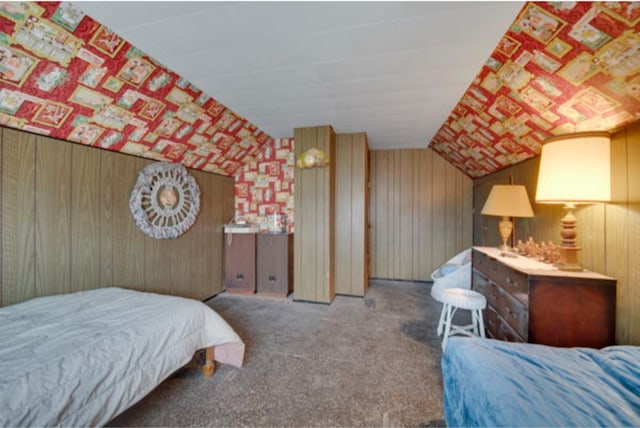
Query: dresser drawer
{"points": [[511, 310], [484, 264], [498, 328], [485, 287], [513, 282], [479, 281]]}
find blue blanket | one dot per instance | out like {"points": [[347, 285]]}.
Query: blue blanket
{"points": [[494, 383]]}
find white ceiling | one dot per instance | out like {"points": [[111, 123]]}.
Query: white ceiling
{"points": [[391, 69]]}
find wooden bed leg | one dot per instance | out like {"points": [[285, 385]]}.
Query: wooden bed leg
{"points": [[209, 364]]}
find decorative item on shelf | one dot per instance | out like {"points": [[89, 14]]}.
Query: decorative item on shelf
{"points": [[165, 200], [574, 169], [312, 158], [277, 223], [507, 201], [543, 252]]}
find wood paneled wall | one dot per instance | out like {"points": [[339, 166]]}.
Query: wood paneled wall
{"points": [[352, 159], [66, 225], [420, 213], [314, 239], [607, 233], [622, 232]]}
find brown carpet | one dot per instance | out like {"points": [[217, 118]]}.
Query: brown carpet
{"points": [[357, 362]]}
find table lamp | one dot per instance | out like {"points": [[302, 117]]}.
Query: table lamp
{"points": [[507, 200], [574, 169]]}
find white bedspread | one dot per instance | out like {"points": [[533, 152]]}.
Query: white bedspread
{"points": [[81, 359]]}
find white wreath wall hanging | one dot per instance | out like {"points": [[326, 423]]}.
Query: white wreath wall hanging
{"points": [[165, 200]]}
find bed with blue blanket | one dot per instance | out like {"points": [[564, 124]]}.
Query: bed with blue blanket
{"points": [[494, 383]]}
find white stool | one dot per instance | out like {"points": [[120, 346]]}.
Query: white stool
{"points": [[460, 298]]}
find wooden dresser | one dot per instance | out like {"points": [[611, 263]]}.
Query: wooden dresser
{"points": [[530, 301]]}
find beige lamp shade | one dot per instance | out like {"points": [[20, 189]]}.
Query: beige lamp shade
{"points": [[575, 169], [507, 200]]}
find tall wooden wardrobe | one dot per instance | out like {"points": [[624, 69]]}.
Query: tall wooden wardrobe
{"points": [[314, 199], [331, 226], [352, 208]]}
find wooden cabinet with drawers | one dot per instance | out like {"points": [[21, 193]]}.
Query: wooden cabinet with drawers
{"points": [[529, 301]]}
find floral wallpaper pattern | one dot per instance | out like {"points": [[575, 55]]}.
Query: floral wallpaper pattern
{"points": [[64, 75], [562, 67], [265, 186]]}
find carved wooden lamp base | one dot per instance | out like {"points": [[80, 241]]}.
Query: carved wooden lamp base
{"points": [[568, 260]]}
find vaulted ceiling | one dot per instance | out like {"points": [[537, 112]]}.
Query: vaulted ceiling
{"points": [[64, 75], [175, 80], [392, 69], [562, 67]]}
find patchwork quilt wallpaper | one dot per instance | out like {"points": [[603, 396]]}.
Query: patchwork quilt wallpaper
{"points": [[265, 186], [562, 67], [64, 75]]}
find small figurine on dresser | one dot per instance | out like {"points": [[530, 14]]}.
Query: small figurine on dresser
{"points": [[543, 252]]}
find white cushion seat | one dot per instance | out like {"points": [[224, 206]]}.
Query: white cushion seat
{"points": [[464, 299]]}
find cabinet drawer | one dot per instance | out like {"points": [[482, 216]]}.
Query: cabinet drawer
{"points": [[479, 281], [513, 282], [485, 287], [510, 309], [484, 264], [498, 328]]}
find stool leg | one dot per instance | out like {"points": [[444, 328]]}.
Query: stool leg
{"points": [[481, 321], [447, 327], [441, 322], [474, 322]]}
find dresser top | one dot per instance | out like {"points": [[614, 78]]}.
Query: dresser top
{"points": [[533, 267]]}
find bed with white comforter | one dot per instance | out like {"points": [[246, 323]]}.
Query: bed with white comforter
{"points": [[80, 359]]}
